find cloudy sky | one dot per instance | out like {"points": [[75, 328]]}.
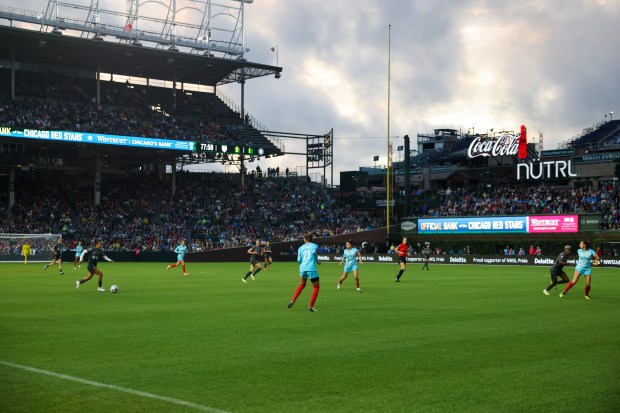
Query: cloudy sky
{"points": [[552, 65]]}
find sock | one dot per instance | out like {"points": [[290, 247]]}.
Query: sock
{"points": [[257, 271], [247, 275], [357, 283], [399, 274], [100, 283], [587, 290], [82, 282], [315, 294], [550, 287], [298, 291], [183, 268], [172, 265], [568, 287]]}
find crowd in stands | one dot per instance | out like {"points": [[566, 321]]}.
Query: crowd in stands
{"points": [[599, 199], [56, 102], [209, 210]]}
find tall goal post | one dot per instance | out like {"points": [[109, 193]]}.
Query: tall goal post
{"points": [[40, 247]]}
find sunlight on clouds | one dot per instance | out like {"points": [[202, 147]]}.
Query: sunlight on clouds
{"points": [[335, 87]]}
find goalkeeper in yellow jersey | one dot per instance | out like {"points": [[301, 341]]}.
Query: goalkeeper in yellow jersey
{"points": [[26, 252]]}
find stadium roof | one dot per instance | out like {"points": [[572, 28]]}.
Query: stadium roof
{"points": [[77, 53]]}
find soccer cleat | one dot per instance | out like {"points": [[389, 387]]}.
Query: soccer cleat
{"points": [[545, 292], [77, 285], [46, 267], [397, 280], [252, 275], [61, 273], [100, 289], [587, 297], [338, 286], [186, 274], [290, 304], [243, 279], [359, 289], [562, 294], [168, 267], [312, 309], [74, 268]]}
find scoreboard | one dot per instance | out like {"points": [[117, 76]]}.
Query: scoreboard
{"points": [[216, 148]]}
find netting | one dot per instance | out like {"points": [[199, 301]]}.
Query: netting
{"points": [[11, 247]]}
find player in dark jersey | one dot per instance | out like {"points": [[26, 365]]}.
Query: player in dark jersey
{"points": [[57, 249], [267, 254], [96, 255], [256, 252], [557, 270], [427, 256]]}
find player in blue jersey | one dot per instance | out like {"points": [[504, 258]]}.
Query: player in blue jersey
{"points": [[307, 256], [78, 252], [350, 258], [181, 250], [587, 256]]}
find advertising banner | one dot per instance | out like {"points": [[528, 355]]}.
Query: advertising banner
{"points": [[542, 261], [472, 225], [553, 223], [97, 138], [536, 224]]}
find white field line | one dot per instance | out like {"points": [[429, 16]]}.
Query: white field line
{"points": [[117, 388]]}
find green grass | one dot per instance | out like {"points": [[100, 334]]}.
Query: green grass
{"points": [[456, 338]]}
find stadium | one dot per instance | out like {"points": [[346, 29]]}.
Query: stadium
{"points": [[106, 121]]}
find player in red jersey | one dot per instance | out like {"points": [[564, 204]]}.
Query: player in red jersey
{"points": [[403, 252]]}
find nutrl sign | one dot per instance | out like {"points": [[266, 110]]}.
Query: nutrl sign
{"points": [[545, 170]]}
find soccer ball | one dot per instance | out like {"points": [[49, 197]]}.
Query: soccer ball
{"points": [[114, 288]]}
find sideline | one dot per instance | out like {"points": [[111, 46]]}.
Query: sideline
{"points": [[117, 388]]}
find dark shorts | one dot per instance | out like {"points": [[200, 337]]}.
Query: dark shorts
{"points": [[57, 256], [253, 261], [267, 255], [402, 259], [92, 269]]}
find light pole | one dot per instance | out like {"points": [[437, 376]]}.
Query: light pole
{"points": [[274, 49]]}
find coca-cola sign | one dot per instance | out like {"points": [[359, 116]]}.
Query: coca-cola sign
{"points": [[505, 144]]}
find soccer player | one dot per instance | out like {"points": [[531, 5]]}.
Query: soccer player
{"points": [[26, 252], [96, 254], [403, 251], [78, 252], [583, 266], [557, 270], [350, 257], [307, 256], [255, 252], [57, 249], [181, 250], [267, 254], [427, 257]]}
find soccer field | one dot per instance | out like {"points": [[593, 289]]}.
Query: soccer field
{"points": [[452, 339]]}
